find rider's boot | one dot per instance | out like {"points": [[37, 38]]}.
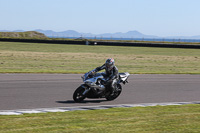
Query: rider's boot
{"points": [[113, 87]]}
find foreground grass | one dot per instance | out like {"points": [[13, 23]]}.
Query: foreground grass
{"points": [[18, 57], [184, 118]]}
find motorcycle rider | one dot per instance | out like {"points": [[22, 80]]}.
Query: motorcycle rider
{"points": [[111, 73]]}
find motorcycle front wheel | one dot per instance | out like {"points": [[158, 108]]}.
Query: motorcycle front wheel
{"points": [[78, 94]]}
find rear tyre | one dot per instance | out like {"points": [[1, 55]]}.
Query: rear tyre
{"points": [[78, 94], [117, 92]]}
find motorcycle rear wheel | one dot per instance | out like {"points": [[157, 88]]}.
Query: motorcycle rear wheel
{"points": [[78, 94], [116, 93]]}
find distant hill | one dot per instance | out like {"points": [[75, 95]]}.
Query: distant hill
{"points": [[67, 33], [72, 33], [20, 34], [129, 34]]}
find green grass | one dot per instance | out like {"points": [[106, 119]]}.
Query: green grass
{"points": [[57, 58], [16, 57], [179, 119]]}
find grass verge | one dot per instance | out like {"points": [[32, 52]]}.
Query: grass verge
{"points": [[184, 118], [16, 57]]}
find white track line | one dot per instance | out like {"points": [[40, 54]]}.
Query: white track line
{"points": [[64, 109]]}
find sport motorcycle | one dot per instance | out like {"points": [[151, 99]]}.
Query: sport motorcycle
{"points": [[94, 86]]}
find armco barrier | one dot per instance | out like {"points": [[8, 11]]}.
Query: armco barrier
{"points": [[43, 41], [137, 44], [83, 42]]}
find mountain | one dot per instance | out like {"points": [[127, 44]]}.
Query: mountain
{"points": [[72, 33], [68, 33], [129, 34]]}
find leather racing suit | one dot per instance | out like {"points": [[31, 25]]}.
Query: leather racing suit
{"points": [[111, 75]]}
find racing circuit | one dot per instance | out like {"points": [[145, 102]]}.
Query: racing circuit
{"points": [[30, 91]]}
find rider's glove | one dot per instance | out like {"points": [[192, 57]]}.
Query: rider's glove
{"points": [[91, 72]]}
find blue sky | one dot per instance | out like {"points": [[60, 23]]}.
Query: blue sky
{"points": [[151, 17]]}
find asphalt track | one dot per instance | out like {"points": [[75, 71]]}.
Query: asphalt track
{"points": [[29, 91]]}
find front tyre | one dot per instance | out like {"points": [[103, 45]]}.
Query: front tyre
{"points": [[78, 94], [117, 92]]}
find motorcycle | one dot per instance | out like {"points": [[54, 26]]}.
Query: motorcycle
{"points": [[94, 86]]}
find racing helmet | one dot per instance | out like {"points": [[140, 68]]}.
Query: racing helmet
{"points": [[110, 63]]}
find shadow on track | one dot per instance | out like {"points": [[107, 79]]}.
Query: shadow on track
{"points": [[85, 101]]}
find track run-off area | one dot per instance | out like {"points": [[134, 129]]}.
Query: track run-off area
{"points": [[31, 91]]}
